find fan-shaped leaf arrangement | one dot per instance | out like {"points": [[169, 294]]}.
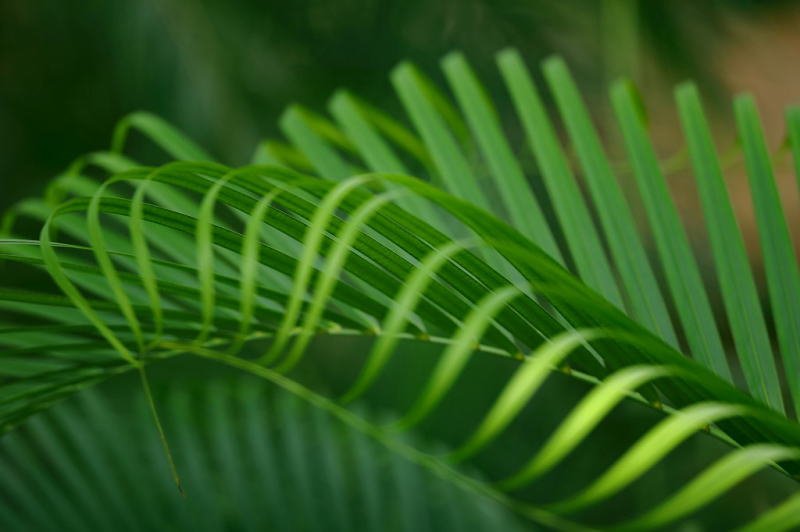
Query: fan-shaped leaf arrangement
{"points": [[196, 257]]}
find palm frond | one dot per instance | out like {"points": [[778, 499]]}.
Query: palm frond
{"points": [[195, 257], [279, 462]]}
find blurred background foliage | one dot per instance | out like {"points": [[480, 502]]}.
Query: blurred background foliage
{"points": [[224, 71], [251, 458]]}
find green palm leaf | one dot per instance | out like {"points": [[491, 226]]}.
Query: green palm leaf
{"points": [[245, 266]]}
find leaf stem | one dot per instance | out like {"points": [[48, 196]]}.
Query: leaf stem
{"points": [[159, 427]]}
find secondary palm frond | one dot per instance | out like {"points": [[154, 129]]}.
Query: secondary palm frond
{"points": [[200, 258], [280, 463]]}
